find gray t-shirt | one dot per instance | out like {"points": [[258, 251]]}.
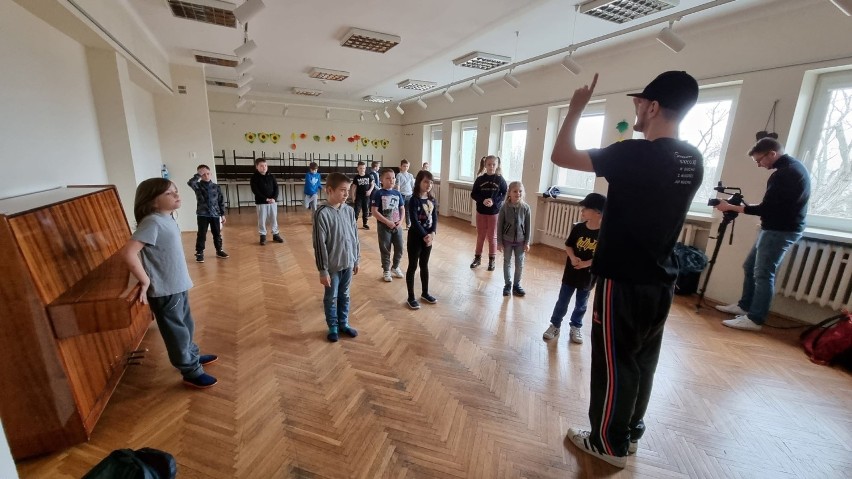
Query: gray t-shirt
{"points": [[162, 256], [405, 183]]}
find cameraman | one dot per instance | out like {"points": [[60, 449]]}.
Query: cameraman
{"points": [[782, 220]]}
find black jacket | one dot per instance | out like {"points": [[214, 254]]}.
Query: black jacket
{"points": [[263, 187], [785, 203]]}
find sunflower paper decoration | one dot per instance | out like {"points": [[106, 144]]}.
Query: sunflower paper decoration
{"points": [[385, 143], [316, 138], [250, 137], [263, 137], [376, 143], [365, 142], [275, 137]]}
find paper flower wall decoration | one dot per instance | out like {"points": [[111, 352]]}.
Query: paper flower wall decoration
{"points": [[250, 137], [263, 137], [292, 146], [316, 138], [303, 136], [385, 143], [275, 137], [365, 141]]}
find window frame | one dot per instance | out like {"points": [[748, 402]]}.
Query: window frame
{"points": [[465, 125], [434, 167], [513, 118], [810, 133], [592, 109]]}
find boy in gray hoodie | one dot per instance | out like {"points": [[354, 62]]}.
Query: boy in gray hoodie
{"points": [[337, 254]]}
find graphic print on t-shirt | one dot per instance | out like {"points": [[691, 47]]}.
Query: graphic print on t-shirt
{"points": [[686, 167], [425, 215], [390, 207]]}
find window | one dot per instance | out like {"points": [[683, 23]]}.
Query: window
{"points": [[826, 151], [707, 126], [435, 145], [467, 151], [513, 142], [589, 135]]}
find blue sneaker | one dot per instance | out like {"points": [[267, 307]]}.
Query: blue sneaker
{"points": [[349, 331], [206, 359], [201, 382]]}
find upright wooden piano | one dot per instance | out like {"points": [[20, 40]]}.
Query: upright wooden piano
{"points": [[67, 317]]}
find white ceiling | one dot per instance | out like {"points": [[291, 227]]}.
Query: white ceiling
{"points": [[294, 36]]}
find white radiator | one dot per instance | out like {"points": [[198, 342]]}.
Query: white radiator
{"points": [[817, 272], [560, 217], [462, 203]]}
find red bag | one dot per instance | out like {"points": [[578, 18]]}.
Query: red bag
{"points": [[829, 340]]}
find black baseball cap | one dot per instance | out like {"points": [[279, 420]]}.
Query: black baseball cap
{"points": [[594, 201], [675, 90]]}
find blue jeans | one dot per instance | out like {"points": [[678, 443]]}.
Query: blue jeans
{"points": [[561, 307], [336, 298], [760, 267], [518, 250]]}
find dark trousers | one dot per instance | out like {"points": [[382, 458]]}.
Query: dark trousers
{"points": [[177, 328], [418, 253], [627, 331], [215, 228], [362, 204]]}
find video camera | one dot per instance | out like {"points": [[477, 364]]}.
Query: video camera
{"points": [[736, 199]]}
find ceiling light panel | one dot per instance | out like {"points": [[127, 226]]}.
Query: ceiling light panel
{"points": [[419, 85], [377, 99], [620, 11], [369, 41], [306, 92], [217, 59], [482, 61], [323, 74], [205, 11]]}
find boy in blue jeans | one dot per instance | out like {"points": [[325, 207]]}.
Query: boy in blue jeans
{"points": [[389, 210], [580, 248], [337, 253]]}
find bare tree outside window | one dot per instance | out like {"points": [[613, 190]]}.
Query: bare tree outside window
{"points": [[705, 127], [829, 160]]}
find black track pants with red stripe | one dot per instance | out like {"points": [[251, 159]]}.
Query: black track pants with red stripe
{"points": [[627, 331]]}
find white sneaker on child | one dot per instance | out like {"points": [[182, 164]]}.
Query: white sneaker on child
{"points": [[552, 332], [576, 335], [387, 277], [397, 272]]}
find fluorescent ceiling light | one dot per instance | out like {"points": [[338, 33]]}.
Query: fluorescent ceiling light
{"points": [[420, 85], [845, 6], [218, 59], [244, 80], [244, 67], [243, 50], [620, 11], [377, 99], [376, 115], [323, 74], [306, 92], [327, 113], [242, 91], [369, 41], [448, 96], [362, 116], [477, 89], [421, 103], [511, 80], [241, 102], [571, 65], [285, 110], [387, 115], [482, 61], [669, 38], [399, 109], [248, 10]]}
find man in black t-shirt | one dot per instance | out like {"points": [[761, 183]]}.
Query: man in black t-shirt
{"points": [[651, 185]]}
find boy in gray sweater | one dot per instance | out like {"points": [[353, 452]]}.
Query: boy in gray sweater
{"points": [[337, 252]]}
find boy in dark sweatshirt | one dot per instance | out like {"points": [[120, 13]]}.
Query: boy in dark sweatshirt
{"points": [[265, 189]]}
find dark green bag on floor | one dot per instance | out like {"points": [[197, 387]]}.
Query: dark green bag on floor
{"points": [[145, 463]]}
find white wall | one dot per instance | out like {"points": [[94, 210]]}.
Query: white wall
{"points": [[146, 152], [769, 67], [183, 127], [48, 127], [7, 464]]}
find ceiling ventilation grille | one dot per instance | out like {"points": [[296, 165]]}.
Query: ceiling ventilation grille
{"points": [[218, 59], [377, 99], [306, 92], [482, 61], [419, 85], [204, 12], [222, 82], [620, 11], [369, 41], [323, 74]]}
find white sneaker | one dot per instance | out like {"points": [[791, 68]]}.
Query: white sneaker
{"points": [[581, 440], [632, 446], [742, 322], [387, 277], [734, 309], [576, 335], [551, 333], [397, 272]]}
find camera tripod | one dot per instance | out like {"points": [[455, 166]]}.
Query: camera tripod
{"points": [[727, 217]]}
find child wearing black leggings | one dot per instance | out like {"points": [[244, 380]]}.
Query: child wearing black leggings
{"points": [[423, 212]]}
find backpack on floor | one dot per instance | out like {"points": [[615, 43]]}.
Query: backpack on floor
{"points": [[145, 463], [829, 341]]}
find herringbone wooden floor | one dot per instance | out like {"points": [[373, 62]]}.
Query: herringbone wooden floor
{"points": [[464, 388]]}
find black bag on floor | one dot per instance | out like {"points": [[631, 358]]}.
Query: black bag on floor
{"points": [[691, 262], [145, 463]]}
